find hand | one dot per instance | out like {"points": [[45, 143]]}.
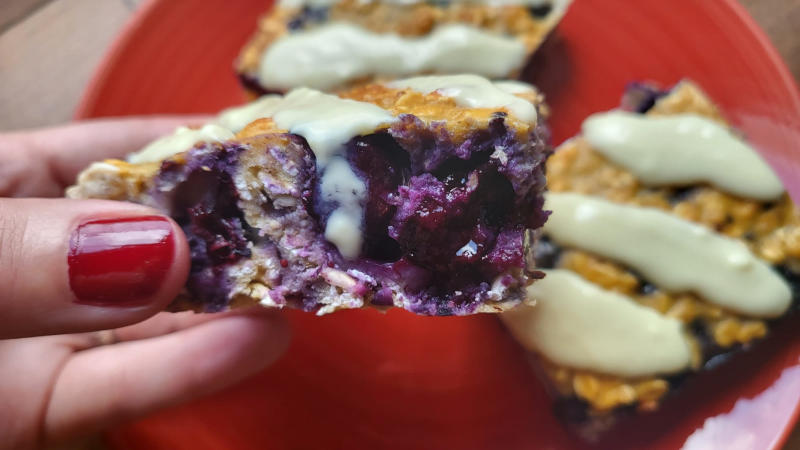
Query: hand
{"points": [[70, 269]]}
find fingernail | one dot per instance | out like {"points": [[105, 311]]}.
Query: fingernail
{"points": [[120, 262]]}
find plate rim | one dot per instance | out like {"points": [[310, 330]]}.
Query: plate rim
{"points": [[101, 75]]}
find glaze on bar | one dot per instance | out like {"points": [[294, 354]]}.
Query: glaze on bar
{"points": [[326, 121], [327, 56], [342, 186], [672, 253], [682, 149], [578, 324], [342, 202]]}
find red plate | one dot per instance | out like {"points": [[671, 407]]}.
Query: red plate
{"points": [[361, 379]]}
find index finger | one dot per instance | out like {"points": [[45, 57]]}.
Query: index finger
{"points": [[42, 162]]}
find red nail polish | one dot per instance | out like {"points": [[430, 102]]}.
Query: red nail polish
{"points": [[120, 261]]}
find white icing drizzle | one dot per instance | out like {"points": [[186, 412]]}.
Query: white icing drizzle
{"points": [[237, 117], [682, 149], [181, 140], [578, 324], [472, 91], [339, 184], [332, 54], [674, 254]]}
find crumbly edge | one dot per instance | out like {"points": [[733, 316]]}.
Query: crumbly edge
{"points": [[406, 20], [774, 232]]}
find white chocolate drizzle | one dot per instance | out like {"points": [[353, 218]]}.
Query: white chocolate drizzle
{"points": [[514, 86], [682, 149], [674, 254], [326, 3], [578, 324]]}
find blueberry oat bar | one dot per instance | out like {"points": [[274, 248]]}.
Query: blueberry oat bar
{"points": [[419, 193], [331, 44], [671, 246]]}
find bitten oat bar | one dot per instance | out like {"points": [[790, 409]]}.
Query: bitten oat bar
{"points": [[333, 44], [671, 246], [418, 194]]}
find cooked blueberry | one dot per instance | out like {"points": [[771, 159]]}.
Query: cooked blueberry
{"points": [[384, 166], [204, 204], [541, 11]]}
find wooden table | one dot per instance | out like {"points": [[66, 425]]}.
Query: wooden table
{"points": [[49, 48]]}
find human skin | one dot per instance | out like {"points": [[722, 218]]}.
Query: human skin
{"points": [[63, 374]]}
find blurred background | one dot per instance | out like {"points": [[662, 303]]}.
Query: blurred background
{"points": [[50, 48]]}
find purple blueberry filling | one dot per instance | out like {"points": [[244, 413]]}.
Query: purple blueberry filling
{"points": [[204, 204], [443, 220]]}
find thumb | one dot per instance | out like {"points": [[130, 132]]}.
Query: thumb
{"points": [[80, 265]]}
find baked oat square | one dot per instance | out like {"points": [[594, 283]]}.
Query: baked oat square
{"points": [[420, 194]]}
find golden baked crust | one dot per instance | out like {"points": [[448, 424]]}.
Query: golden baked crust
{"points": [[415, 19], [458, 120], [771, 230]]}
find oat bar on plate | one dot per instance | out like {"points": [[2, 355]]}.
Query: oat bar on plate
{"points": [[418, 194], [671, 245], [331, 44]]}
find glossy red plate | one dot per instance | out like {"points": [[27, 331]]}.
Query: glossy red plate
{"points": [[361, 379]]}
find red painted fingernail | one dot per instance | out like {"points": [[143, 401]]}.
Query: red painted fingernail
{"points": [[120, 261]]}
